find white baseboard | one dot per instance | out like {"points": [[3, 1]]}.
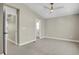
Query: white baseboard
{"points": [[21, 44], [57, 38], [12, 41], [42, 37]]}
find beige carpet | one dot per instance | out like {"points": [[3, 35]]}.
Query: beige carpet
{"points": [[45, 47]]}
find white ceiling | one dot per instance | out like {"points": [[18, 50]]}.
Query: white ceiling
{"points": [[68, 9]]}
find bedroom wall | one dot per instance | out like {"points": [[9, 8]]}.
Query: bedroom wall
{"points": [[66, 27], [1, 28]]}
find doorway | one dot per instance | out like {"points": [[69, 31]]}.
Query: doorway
{"points": [[10, 27], [38, 29]]}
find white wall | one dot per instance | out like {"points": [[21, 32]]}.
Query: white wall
{"points": [[66, 27], [43, 25], [1, 28], [27, 20]]}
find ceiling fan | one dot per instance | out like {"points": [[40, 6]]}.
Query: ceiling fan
{"points": [[51, 8]]}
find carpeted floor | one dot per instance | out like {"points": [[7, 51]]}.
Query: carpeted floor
{"points": [[45, 47]]}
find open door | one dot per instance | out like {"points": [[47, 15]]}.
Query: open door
{"points": [[10, 27]]}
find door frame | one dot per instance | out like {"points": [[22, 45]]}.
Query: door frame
{"points": [[4, 41], [36, 31]]}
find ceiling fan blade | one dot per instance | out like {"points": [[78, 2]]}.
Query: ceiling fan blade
{"points": [[46, 7], [57, 8]]}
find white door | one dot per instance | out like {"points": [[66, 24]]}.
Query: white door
{"points": [[10, 24], [5, 31]]}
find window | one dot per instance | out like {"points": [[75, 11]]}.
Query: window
{"points": [[38, 25]]}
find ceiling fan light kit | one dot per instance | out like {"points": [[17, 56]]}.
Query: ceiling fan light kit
{"points": [[51, 7], [51, 11]]}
